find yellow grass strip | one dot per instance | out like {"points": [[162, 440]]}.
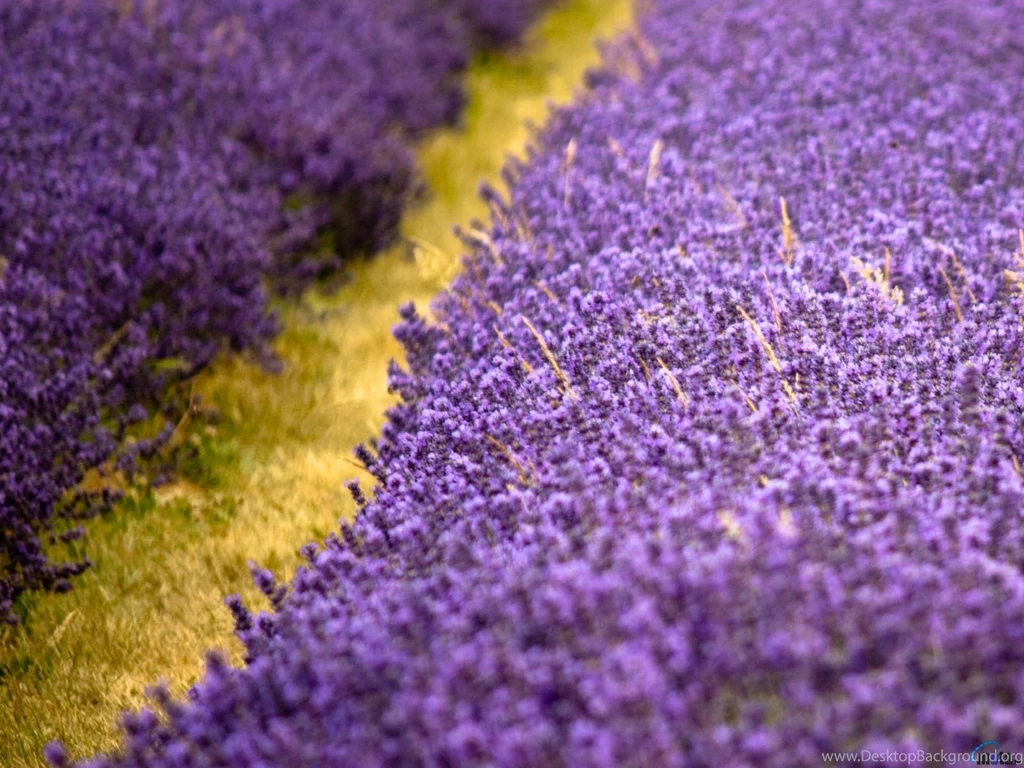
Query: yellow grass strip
{"points": [[788, 235], [674, 381], [563, 377], [765, 345], [953, 295]]}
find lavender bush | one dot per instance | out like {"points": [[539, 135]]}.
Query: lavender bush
{"points": [[159, 161], [499, 22], [713, 456]]}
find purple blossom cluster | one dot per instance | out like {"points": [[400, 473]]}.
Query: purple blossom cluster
{"points": [[499, 22], [159, 161], [713, 454]]}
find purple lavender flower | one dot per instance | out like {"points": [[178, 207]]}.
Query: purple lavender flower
{"points": [[714, 457], [160, 163]]}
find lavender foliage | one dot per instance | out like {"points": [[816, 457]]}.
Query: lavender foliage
{"points": [[713, 456], [159, 162], [499, 22]]}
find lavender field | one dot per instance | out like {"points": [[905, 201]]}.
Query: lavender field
{"points": [[711, 455], [168, 164], [259, 459]]}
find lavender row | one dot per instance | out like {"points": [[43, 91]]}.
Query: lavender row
{"points": [[161, 161], [713, 455]]}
